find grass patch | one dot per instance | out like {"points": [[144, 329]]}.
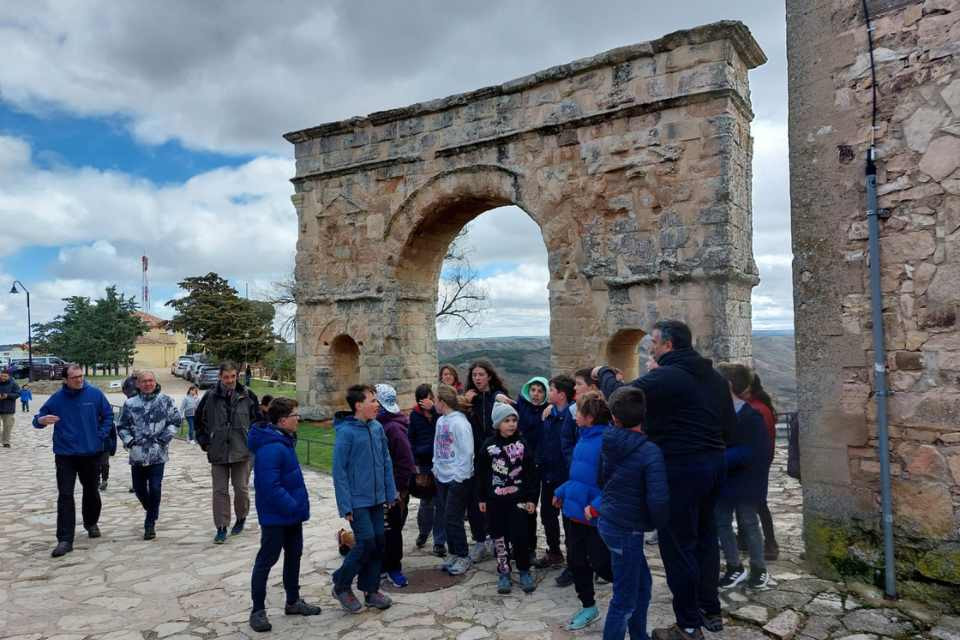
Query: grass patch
{"points": [[261, 388], [314, 444]]}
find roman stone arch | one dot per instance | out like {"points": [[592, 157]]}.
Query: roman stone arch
{"points": [[634, 163]]}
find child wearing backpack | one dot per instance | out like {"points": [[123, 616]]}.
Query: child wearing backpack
{"points": [[506, 490], [635, 499], [578, 496]]}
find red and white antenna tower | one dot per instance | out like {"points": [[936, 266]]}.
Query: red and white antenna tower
{"points": [[145, 294]]}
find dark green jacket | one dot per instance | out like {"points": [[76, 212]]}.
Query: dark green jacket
{"points": [[222, 423]]}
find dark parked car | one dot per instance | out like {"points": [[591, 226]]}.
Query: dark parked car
{"points": [[44, 368], [208, 376]]}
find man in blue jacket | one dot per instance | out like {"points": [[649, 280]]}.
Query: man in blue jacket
{"points": [[689, 416], [282, 508], [82, 420], [363, 483]]}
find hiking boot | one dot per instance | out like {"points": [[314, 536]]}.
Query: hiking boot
{"points": [[421, 540], [527, 583], [93, 531], [479, 552], [771, 552], [259, 621], [459, 566], [676, 633], [347, 600], [301, 608], [149, 532], [440, 550], [238, 526], [504, 585], [565, 579], [397, 579], [62, 549], [549, 559], [582, 618], [712, 622], [758, 579], [732, 578], [377, 600], [103, 486], [221, 536]]}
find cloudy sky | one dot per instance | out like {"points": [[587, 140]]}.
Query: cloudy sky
{"points": [[132, 128]]}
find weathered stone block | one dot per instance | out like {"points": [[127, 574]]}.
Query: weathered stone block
{"points": [[923, 508]]}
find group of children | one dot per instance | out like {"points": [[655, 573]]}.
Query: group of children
{"points": [[475, 453]]}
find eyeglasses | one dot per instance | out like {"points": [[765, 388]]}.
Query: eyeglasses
{"points": [[75, 377]]}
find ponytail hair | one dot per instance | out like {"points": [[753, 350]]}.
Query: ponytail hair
{"points": [[757, 391]]}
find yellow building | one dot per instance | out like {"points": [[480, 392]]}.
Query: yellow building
{"points": [[159, 347]]}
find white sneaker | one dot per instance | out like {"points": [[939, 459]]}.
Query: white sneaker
{"points": [[460, 566], [478, 552]]}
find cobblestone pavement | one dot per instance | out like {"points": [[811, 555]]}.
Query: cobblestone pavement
{"points": [[182, 587]]}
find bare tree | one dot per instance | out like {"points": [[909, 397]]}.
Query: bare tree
{"points": [[283, 297], [460, 296]]}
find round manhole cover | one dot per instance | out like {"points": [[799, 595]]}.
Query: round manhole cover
{"points": [[426, 580]]}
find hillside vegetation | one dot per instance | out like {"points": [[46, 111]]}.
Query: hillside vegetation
{"points": [[519, 359]]}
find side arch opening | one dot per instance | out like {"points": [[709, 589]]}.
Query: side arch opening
{"points": [[624, 352], [345, 364]]}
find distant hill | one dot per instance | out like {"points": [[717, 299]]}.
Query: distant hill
{"points": [[519, 359]]}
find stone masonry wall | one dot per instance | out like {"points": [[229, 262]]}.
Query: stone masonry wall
{"points": [[917, 51], [635, 164]]}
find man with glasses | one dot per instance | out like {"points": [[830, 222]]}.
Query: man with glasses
{"points": [[82, 421], [223, 419]]}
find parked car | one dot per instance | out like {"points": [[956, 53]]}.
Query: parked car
{"points": [[44, 367], [208, 376], [193, 371], [179, 368]]}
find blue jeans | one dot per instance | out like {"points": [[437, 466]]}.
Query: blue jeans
{"points": [[749, 525], [363, 561], [147, 484], [631, 583], [190, 425]]}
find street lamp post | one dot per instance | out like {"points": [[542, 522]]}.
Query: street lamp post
{"points": [[13, 290]]}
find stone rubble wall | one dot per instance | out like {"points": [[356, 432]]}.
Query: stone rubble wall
{"points": [[635, 164], [917, 53]]}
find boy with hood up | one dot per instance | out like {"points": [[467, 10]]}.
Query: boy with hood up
{"points": [[282, 507], [363, 483]]}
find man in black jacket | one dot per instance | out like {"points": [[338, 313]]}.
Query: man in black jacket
{"points": [[223, 419], [9, 394], [689, 411]]}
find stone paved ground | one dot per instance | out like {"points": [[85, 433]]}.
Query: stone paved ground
{"points": [[181, 587]]}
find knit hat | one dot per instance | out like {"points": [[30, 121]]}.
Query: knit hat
{"points": [[500, 411], [387, 397]]}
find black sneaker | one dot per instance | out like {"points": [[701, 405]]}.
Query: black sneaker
{"points": [[758, 579], [732, 578], [259, 621], [221, 536], [149, 532], [565, 579], [93, 531], [301, 608], [440, 550], [62, 549], [421, 540], [712, 622], [238, 526]]}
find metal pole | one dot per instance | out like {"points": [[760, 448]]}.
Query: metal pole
{"points": [[29, 338], [880, 376]]}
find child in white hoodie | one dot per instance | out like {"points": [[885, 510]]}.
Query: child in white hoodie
{"points": [[453, 471]]}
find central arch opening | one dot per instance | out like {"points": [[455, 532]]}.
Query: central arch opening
{"points": [[484, 268]]}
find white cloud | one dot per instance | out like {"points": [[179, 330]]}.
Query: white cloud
{"points": [[103, 221]]}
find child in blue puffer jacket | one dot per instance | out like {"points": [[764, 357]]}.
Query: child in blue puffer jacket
{"points": [[579, 497], [635, 499], [282, 508]]}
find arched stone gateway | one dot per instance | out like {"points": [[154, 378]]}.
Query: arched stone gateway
{"points": [[634, 163]]}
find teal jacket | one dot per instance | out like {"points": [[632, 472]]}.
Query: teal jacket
{"points": [[362, 469]]}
